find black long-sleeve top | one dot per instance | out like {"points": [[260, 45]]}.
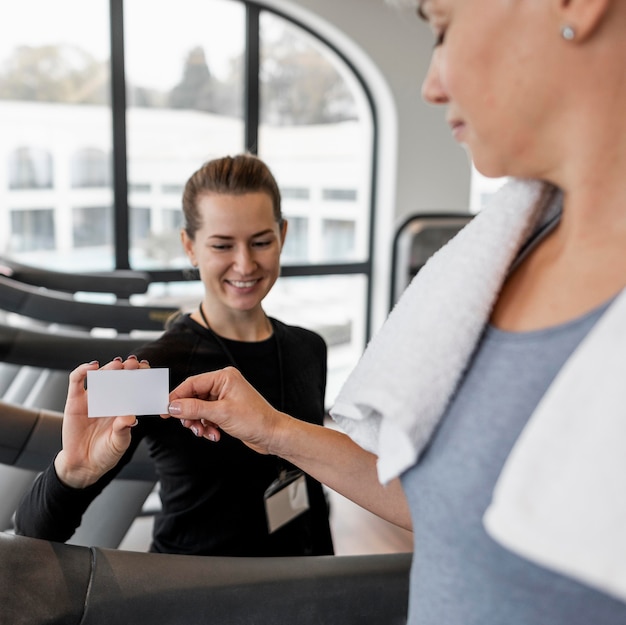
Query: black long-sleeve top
{"points": [[211, 493]]}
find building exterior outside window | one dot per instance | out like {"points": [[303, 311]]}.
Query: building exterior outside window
{"points": [[90, 168], [30, 168]]}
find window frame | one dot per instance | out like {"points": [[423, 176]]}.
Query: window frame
{"points": [[121, 211]]}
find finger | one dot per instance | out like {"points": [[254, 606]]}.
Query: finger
{"points": [[123, 423], [78, 375], [211, 433], [202, 429], [131, 363], [193, 426], [116, 363], [206, 385], [204, 423]]}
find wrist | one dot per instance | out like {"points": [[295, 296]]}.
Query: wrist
{"points": [[280, 440], [73, 477]]}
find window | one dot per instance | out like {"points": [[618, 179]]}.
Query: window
{"points": [[120, 128], [295, 193], [55, 124], [339, 195], [92, 226], [139, 187], [30, 168], [315, 126], [175, 189], [32, 230], [172, 219], [140, 226], [90, 167], [160, 245], [185, 100], [316, 132], [296, 248], [339, 239]]}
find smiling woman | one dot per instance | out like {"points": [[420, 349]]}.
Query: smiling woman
{"points": [[214, 497], [234, 233]]}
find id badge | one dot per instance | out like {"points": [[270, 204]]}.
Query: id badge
{"points": [[285, 499]]}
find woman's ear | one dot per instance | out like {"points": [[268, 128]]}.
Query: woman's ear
{"points": [[583, 17], [188, 246], [283, 232]]}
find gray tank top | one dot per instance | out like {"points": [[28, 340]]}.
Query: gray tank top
{"points": [[460, 576]]}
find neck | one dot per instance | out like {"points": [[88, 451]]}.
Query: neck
{"points": [[250, 326]]}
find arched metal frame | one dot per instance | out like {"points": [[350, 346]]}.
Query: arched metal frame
{"points": [[251, 125]]}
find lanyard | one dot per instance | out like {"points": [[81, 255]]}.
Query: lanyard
{"points": [[286, 479], [233, 362]]}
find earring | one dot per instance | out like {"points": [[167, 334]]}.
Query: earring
{"points": [[568, 33]]}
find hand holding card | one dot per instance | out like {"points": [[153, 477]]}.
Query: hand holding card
{"points": [[92, 447]]}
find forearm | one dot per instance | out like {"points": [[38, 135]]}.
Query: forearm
{"points": [[334, 459], [51, 510], [223, 401]]}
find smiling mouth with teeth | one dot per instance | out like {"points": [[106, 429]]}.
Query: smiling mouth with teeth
{"points": [[242, 285]]}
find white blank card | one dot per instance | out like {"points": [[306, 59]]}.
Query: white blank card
{"points": [[127, 392]]}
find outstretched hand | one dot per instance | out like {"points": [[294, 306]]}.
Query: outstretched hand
{"points": [[224, 400], [91, 447]]}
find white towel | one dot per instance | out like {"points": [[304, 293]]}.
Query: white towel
{"points": [[560, 500], [394, 398]]}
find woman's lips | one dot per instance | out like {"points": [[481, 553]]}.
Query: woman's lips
{"points": [[457, 127]]}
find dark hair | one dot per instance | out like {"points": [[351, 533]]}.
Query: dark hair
{"points": [[230, 175]]}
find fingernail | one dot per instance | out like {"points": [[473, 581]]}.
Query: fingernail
{"points": [[174, 408], [119, 358], [93, 362], [212, 437], [143, 361], [194, 429], [132, 356]]}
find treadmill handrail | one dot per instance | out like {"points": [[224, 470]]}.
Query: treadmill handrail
{"points": [[60, 307], [30, 438], [63, 350], [122, 282]]}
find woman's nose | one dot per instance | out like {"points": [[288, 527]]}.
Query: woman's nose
{"points": [[244, 260], [432, 89]]}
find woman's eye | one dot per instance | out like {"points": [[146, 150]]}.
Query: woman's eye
{"points": [[220, 248], [261, 243]]}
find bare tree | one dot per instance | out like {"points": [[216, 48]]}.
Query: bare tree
{"points": [[300, 86]]}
